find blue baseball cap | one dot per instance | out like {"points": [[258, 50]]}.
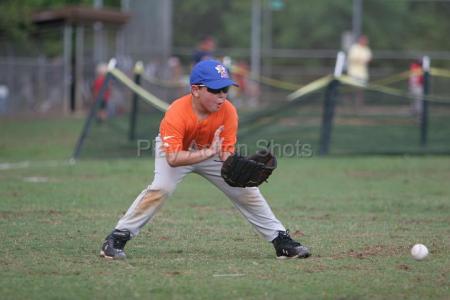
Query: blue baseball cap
{"points": [[212, 74]]}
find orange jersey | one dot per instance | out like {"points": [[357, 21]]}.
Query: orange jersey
{"points": [[181, 129]]}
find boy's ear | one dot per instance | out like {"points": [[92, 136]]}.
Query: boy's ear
{"points": [[194, 90]]}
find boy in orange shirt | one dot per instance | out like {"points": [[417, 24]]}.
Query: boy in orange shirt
{"points": [[197, 132]]}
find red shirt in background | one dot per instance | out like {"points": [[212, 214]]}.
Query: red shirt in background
{"points": [[97, 85], [416, 75]]}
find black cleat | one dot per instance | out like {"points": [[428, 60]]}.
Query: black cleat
{"points": [[114, 243], [286, 247]]}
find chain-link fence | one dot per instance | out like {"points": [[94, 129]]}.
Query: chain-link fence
{"points": [[31, 85]]}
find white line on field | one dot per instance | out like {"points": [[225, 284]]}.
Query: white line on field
{"points": [[29, 164]]}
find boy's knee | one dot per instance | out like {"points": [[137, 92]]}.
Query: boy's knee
{"points": [[152, 198], [250, 194]]}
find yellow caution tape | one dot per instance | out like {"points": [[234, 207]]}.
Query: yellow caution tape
{"points": [[439, 72], [164, 83], [298, 90], [393, 78], [151, 99], [406, 74], [388, 90], [311, 87], [278, 83], [235, 69], [267, 80]]}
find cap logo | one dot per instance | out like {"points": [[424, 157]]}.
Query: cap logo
{"points": [[222, 71]]}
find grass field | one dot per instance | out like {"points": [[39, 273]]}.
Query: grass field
{"points": [[359, 215]]}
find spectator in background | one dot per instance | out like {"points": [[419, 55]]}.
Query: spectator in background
{"points": [[359, 56], [248, 92], [152, 68], [175, 71], [175, 77], [415, 84], [101, 71], [240, 75], [4, 93], [205, 50]]}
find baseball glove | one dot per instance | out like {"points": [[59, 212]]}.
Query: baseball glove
{"points": [[241, 171]]}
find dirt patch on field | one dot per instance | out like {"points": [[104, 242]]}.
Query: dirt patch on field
{"points": [[326, 268], [7, 215], [51, 222], [371, 251], [403, 267], [173, 273], [11, 194], [53, 273], [316, 269], [209, 209], [353, 267], [298, 234], [372, 174], [320, 217], [52, 212], [202, 208], [410, 221]]}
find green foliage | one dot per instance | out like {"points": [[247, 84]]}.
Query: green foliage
{"points": [[311, 24], [199, 19], [407, 25], [431, 24], [238, 25], [386, 34], [15, 21], [306, 24]]}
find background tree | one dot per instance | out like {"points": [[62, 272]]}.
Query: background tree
{"points": [[306, 24]]}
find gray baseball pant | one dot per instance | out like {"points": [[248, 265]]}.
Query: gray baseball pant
{"points": [[249, 201]]}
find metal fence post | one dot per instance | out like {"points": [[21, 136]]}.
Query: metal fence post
{"points": [[329, 104], [93, 110], [426, 90], [328, 116], [138, 69]]}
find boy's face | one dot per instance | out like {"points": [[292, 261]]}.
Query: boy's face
{"points": [[210, 100]]}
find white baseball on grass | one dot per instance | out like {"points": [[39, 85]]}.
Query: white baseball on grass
{"points": [[419, 251]]}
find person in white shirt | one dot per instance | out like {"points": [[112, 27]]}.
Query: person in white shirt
{"points": [[359, 56]]}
